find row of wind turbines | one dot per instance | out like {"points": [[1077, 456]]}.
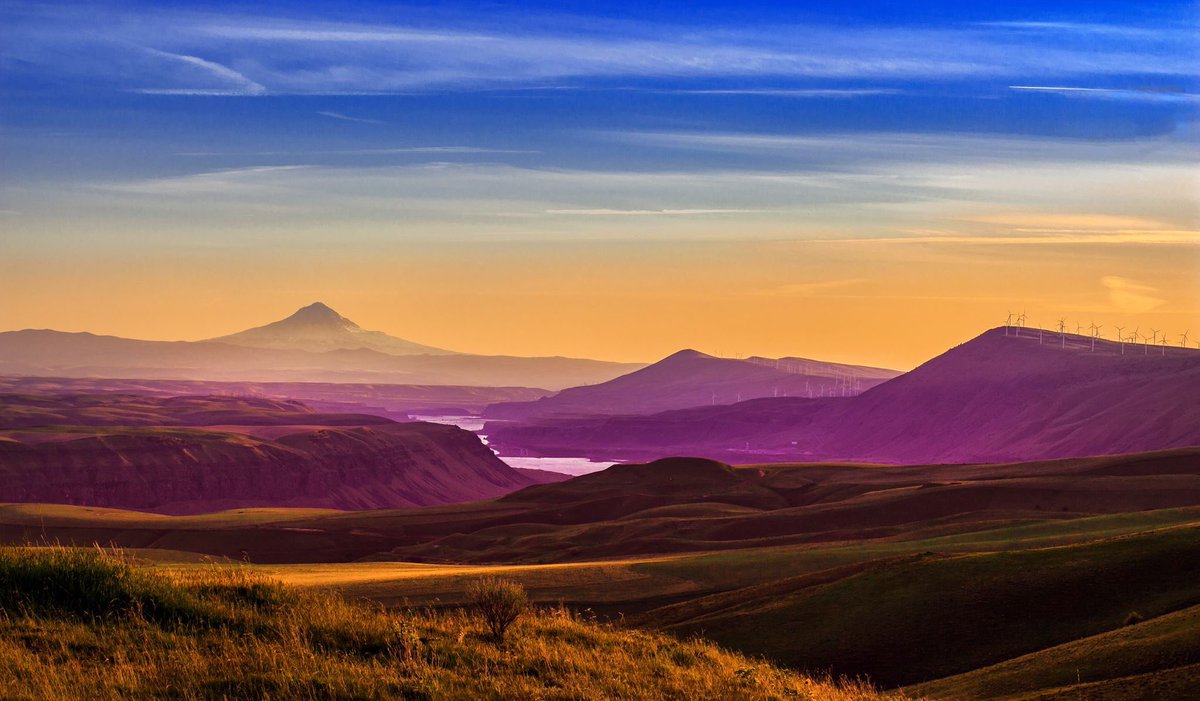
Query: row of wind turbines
{"points": [[1094, 330]]}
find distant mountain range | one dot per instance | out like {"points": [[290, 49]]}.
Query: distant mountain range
{"points": [[317, 328], [1000, 397], [690, 378], [316, 344]]}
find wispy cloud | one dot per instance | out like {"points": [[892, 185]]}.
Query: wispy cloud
{"points": [[833, 150], [1129, 296], [1118, 30], [233, 82], [807, 289], [1143, 94], [789, 92], [348, 118], [383, 151], [255, 54], [886, 188], [608, 212], [1049, 221], [1045, 237], [239, 182]]}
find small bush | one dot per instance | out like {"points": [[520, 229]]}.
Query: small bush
{"points": [[500, 602], [1133, 617]]}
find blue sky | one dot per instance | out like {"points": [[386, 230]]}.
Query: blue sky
{"points": [[157, 130], [85, 85]]}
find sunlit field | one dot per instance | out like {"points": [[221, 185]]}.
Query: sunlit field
{"points": [[85, 624]]}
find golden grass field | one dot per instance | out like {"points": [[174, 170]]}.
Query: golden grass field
{"points": [[652, 577], [85, 624], [1014, 590]]}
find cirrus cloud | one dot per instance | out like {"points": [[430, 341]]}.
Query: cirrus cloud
{"points": [[1129, 296]]}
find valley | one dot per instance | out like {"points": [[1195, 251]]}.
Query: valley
{"points": [[1037, 566]]}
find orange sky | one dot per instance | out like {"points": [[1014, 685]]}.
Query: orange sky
{"points": [[739, 182], [890, 303]]}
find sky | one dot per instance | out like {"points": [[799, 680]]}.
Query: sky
{"points": [[867, 182]]}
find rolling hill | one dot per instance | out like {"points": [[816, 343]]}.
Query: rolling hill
{"points": [[195, 454], [95, 626], [690, 379], [990, 607], [999, 397], [674, 506], [1131, 662], [1034, 569]]}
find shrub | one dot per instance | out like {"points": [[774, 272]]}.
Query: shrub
{"points": [[1133, 617], [89, 583], [500, 602]]}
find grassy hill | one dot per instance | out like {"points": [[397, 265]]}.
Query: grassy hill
{"points": [[1099, 666], [779, 561], [927, 616], [83, 624], [671, 506]]}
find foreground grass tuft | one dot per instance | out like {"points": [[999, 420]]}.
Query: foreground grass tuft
{"points": [[499, 602], [87, 624]]}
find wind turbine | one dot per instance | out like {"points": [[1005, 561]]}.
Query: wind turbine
{"points": [[1121, 338], [1164, 344], [1183, 338], [1007, 323], [1062, 325], [1154, 338]]}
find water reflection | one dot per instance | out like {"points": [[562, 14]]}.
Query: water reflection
{"points": [[567, 466]]}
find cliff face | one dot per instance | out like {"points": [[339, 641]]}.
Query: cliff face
{"points": [[191, 470]]}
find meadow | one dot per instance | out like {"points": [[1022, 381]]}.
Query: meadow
{"points": [[1066, 596], [1004, 601], [90, 624]]}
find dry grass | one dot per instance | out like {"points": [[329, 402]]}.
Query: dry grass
{"points": [[80, 624]]}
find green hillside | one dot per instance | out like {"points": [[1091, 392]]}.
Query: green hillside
{"points": [[922, 617], [1135, 655]]}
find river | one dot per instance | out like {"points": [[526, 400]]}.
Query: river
{"points": [[567, 466]]}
